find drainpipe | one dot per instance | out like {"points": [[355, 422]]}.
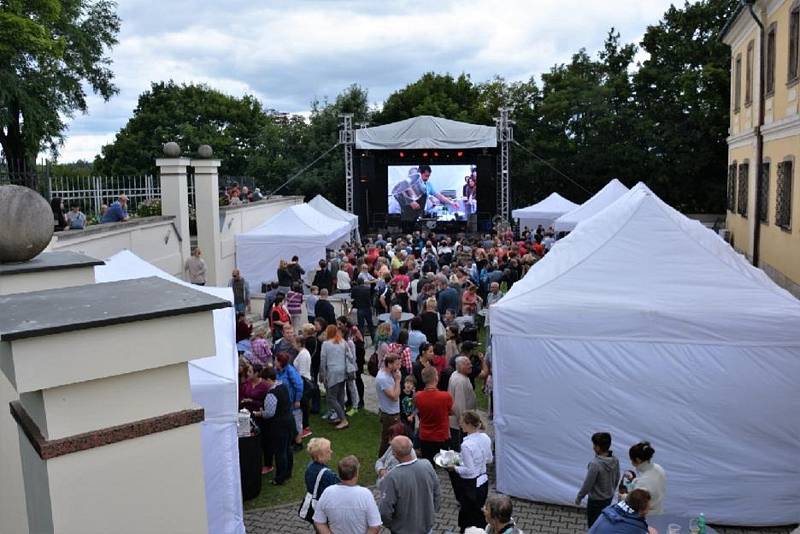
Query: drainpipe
{"points": [[759, 136]]}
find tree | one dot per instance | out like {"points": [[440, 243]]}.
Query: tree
{"points": [[684, 99], [50, 51], [433, 94], [190, 115]]}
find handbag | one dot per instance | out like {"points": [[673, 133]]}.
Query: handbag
{"points": [[306, 511], [441, 331]]}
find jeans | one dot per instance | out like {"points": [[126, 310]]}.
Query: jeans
{"points": [[284, 457], [455, 439], [365, 318], [431, 448], [593, 509], [387, 420], [335, 397]]}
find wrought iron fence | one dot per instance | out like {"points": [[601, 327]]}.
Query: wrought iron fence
{"points": [[93, 192]]}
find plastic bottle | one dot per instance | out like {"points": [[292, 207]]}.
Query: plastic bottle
{"points": [[701, 524]]}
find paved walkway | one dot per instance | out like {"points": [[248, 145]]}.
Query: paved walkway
{"points": [[531, 517]]}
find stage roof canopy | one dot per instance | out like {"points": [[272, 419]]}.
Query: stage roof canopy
{"points": [[426, 132]]}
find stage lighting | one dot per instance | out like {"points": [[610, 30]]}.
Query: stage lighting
{"points": [[424, 154], [435, 154], [459, 154], [402, 154]]}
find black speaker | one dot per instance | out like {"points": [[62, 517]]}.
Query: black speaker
{"points": [[366, 169]]}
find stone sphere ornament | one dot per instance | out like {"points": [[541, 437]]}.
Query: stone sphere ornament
{"points": [[205, 152], [172, 149], [27, 225]]}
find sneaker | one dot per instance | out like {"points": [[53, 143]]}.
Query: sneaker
{"points": [[267, 470], [306, 432], [351, 412]]}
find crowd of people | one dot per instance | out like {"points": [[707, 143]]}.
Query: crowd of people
{"points": [[418, 304]]}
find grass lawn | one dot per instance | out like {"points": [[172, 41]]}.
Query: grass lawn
{"points": [[361, 439]]}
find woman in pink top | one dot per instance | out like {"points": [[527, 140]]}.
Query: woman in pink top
{"points": [[253, 390]]}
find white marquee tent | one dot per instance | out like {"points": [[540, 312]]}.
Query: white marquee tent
{"points": [[214, 385], [298, 230], [426, 132], [602, 199], [543, 212], [326, 207], [645, 324]]}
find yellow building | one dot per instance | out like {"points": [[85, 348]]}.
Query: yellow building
{"points": [[775, 237]]}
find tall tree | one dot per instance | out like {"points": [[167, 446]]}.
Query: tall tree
{"points": [[190, 115], [683, 92], [439, 95], [50, 51]]}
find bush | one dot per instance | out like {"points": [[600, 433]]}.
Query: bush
{"points": [[149, 208]]}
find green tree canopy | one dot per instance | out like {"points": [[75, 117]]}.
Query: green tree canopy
{"points": [[191, 115], [50, 51]]}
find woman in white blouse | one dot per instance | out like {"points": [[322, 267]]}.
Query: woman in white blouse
{"points": [[649, 475], [470, 480]]}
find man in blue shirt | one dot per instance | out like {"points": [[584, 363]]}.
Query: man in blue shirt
{"points": [[416, 337], [117, 211], [430, 191]]}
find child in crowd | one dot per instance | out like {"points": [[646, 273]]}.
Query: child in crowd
{"points": [[601, 479], [260, 351], [407, 410], [311, 302]]}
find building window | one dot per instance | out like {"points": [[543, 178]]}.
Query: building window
{"points": [[741, 201], [770, 82], [794, 43], [737, 84], [732, 187], [763, 193], [783, 198], [748, 78]]}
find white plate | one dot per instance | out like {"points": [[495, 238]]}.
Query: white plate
{"points": [[437, 459]]}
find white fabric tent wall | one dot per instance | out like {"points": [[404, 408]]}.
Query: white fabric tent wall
{"points": [[599, 201], [426, 132], [214, 385], [326, 207], [645, 324], [298, 230], [544, 212]]}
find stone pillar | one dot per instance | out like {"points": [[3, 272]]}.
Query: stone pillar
{"points": [[206, 190], [108, 434], [175, 197], [46, 271]]}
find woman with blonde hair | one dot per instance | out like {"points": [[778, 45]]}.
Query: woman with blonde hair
{"points": [[333, 373], [469, 479], [320, 451], [284, 277]]}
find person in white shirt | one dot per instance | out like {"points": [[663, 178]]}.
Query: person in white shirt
{"points": [[650, 476], [347, 508], [342, 280], [470, 481]]}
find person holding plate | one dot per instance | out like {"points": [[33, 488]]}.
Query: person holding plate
{"points": [[469, 479]]}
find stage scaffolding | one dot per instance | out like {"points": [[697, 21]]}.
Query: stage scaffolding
{"points": [[347, 137], [505, 136]]}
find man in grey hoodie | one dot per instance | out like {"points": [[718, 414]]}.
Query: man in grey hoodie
{"points": [[410, 493], [602, 478]]}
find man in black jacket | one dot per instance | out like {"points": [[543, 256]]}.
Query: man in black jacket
{"points": [[361, 295], [323, 279], [324, 308], [280, 425]]}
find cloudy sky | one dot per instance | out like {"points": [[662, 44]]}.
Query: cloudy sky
{"points": [[287, 52]]}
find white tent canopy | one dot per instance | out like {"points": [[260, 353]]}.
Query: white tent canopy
{"points": [[602, 199], [298, 230], [426, 132], [645, 324], [328, 208], [543, 212], [214, 385]]}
